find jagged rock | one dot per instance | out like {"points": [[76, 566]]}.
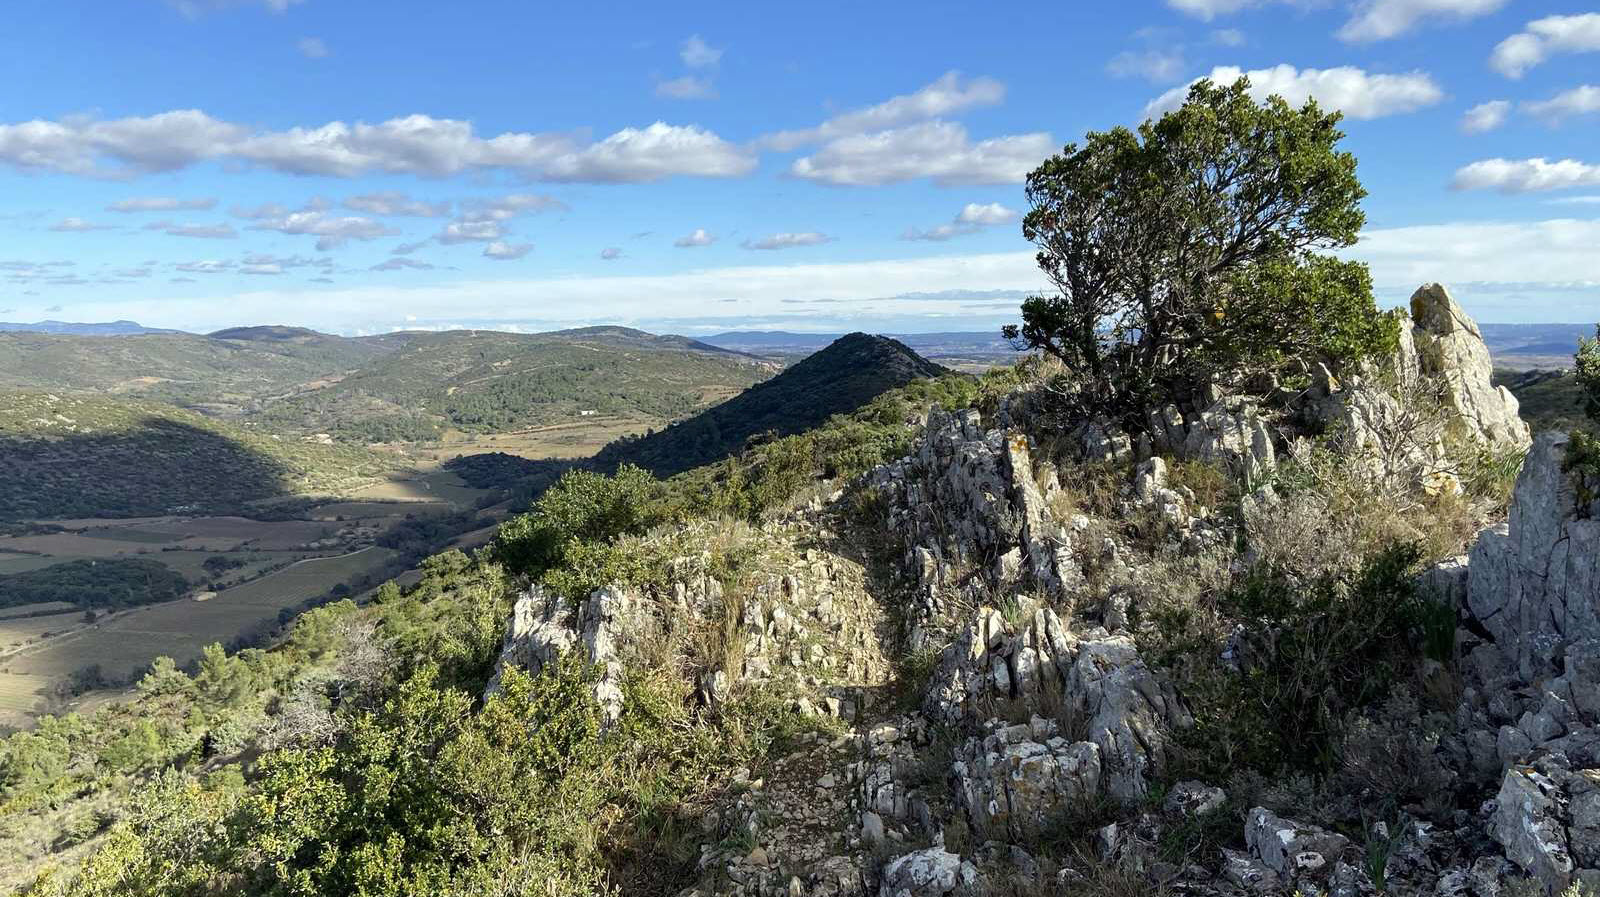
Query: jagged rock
{"points": [[1233, 431], [1527, 821], [1532, 582], [544, 626], [1450, 349], [923, 873], [1125, 709], [1017, 779], [1292, 849]]}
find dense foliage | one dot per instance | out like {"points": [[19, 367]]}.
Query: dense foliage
{"points": [[1187, 251], [113, 584]]}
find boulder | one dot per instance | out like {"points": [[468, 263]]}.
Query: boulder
{"points": [[1018, 780], [923, 873], [1451, 351], [1293, 850]]}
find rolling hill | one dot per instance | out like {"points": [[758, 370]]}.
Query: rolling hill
{"points": [[485, 381], [87, 456], [845, 375]]}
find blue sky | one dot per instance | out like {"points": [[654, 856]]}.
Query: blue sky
{"points": [[366, 166]]}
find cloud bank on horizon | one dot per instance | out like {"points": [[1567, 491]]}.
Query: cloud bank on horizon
{"points": [[701, 172]]}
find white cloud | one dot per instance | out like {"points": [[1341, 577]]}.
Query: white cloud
{"points": [[1375, 20], [1552, 252], [985, 214], [408, 248], [210, 266], [621, 298], [76, 226], [611, 253], [196, 231], [788, 241], [1583, 100], [972, 218], [1575, 200], [936, 150], [1352, 90], [640, 155], [697, 54], [1210, 9], [948, 94], [1526, 175], [414, 144], [312, 47], [689, 87], [393, 202], [1543, 38], [502, 251], [1485, 116], [700, 237], [195, 8], [401, 264], [482, 230], [162, 204], [1156, 66], [1228, 37], [331, 232]]}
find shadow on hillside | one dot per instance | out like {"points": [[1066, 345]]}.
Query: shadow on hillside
{"points": [[156, 466]]}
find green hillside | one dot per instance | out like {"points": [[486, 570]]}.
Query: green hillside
{"points": [[488, 381], [86, 456], [1549, 400], [225, 376], [842, 377]]}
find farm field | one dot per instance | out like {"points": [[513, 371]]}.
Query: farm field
{"points": [[125, 642]]}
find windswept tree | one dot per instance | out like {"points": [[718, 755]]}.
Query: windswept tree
{"points": [[1192, 251]]}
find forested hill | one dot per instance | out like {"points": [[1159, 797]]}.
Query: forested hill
{"points": [[847, 374], [486, 381]]}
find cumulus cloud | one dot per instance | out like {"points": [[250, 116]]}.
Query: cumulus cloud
{"points": [[1352, 90], [1375, 20], [511, 205], [948, 94], [331, 232], [700, 237], [1521, 256], [76, 226], [1583, 100], [414, 144], [197, 231], [408, 248], [312, 47], [1228, 37], [972, 218], [689, 87], [641, 155], [1210, 9], [393, 202], [208, 266], [697, 54], [788, 241], [503, 251], [1526, 175], [1485, 116], [1542, 38], [611, 253], [162, 204], [1157, 66], [936, 150]]}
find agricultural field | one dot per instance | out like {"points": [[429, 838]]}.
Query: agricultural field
{"points": [[38, 652]]}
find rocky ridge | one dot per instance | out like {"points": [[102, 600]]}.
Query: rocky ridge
{"points": [[1037, 712]]}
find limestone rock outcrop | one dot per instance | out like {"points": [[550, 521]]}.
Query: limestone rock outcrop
{"points": [[1534, 581]]}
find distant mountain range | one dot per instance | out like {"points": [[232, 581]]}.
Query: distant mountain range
{"points": [[848, 373], [106, 328], [955, 348]]}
